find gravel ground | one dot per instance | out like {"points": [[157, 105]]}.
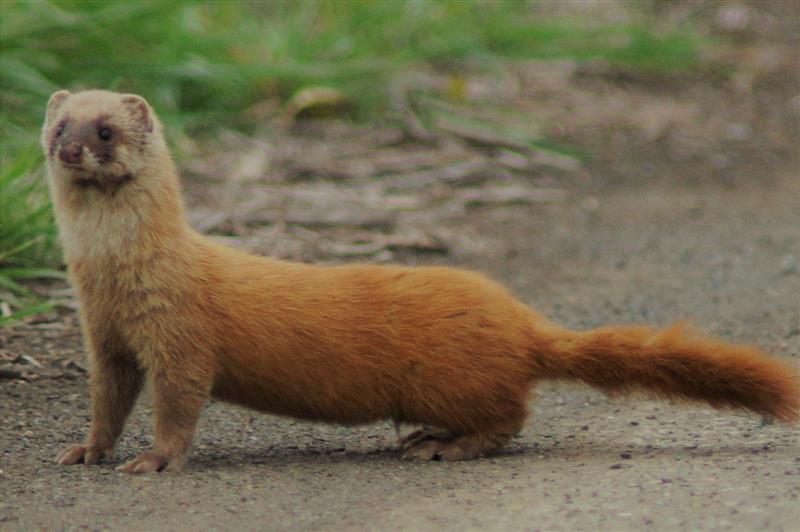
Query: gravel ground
{"points": [[726, 257]]}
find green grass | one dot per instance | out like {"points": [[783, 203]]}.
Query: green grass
{"points": [[27, 234], [202, 63]]}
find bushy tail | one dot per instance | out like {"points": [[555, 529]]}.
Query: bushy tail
{"points": [[673, 363]]}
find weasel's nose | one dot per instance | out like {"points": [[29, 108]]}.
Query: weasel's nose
{"points": [[71, 153]]}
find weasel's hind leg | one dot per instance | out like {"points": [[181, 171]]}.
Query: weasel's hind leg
{"points": [[488, 424]]}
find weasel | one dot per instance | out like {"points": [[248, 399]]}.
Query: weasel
{"points": [[440, 347]]}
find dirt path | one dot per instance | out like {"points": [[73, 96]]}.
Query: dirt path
{"points": [[728, 258]]}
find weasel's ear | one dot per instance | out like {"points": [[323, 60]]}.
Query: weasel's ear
{"points": [[140, 110], [54, 104]]}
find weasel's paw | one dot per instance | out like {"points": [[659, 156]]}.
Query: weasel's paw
{"points": [[84, 454], [446, 450], [422, 435], [428, 449], [433, 446], [150, 462]]}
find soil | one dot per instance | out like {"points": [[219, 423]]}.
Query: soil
{"points": [[726, 257], [686, 206]]}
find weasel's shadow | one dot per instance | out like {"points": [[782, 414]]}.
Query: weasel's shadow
{"points": [[220, 458]]}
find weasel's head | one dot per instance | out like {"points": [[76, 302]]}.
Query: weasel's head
{"points": [[100, 139]]}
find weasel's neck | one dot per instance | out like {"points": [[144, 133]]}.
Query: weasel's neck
{"points": [[143, 217]]}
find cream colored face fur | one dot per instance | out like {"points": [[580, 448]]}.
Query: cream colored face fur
{"points": [[77, 120], [105, 151]]}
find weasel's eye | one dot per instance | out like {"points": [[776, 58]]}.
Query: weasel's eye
{"points": [[59, 130], [104, 134]]}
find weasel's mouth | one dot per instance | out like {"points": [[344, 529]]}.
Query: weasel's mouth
{"points": [[78, 172], [104, 183], [71, 166], [86, 182]]}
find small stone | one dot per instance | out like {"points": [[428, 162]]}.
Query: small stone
{"points": [[74, 366], [738, 131], [27, 360], [788, 265]]}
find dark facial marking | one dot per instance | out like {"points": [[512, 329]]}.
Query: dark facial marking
{"points": [[98, 136], [108, 185], [101, 138], [117, 182], [54, 138], [88, 182]]}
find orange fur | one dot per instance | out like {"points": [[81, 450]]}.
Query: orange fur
{"points": [[347, 344]]}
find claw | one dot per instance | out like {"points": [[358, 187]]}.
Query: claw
{"points": [[149, 462], [425, 450], [83, 454], [421, 435], [427, 444]]}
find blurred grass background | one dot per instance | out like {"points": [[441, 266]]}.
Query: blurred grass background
{"points": [[207, 65]]}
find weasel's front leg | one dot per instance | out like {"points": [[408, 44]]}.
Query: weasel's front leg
{"points": [[180, 392], [116, 381]]}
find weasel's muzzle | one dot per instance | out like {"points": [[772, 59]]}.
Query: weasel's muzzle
{"points": [[71, 153]]}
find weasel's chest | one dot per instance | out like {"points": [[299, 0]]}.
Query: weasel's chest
{"points": [[95, 234], [130, 296]]}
